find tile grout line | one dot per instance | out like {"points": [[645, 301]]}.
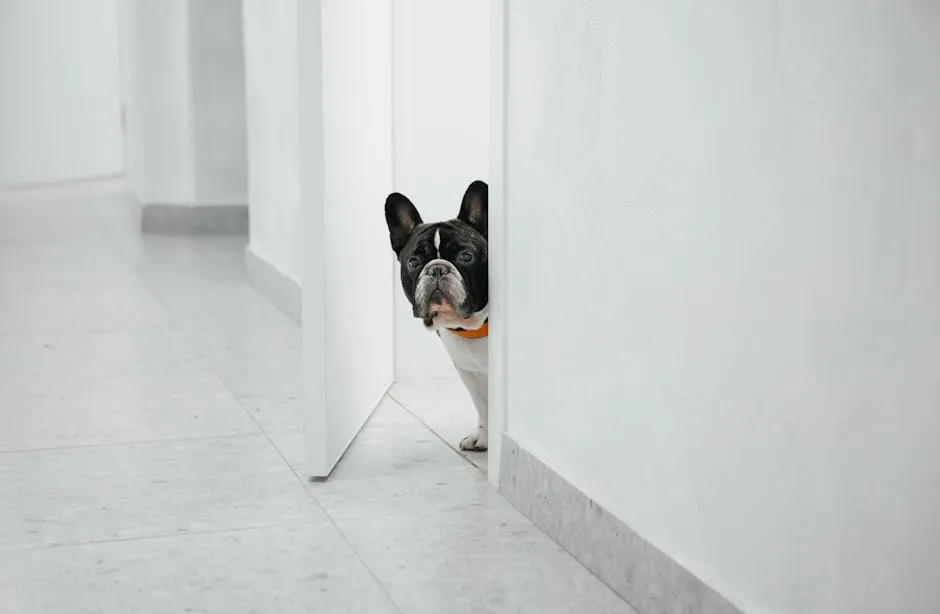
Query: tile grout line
{"points": [[313, 497], [113, 444], [459, 453], [531, 522], [359, 556], [120, 540], [329, 519], [173, 321]]}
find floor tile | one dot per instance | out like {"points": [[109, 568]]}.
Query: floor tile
{"points": [[392, 444], [66, 389], [397, 466], [96, 402], [276, 413], [50, 353], [197, 298], [292, 570], [31, 217], [81, 258], [444, 405], [261, 365], [215, 258], [139, 368], [99, 493], [471, 561], [118, 214], [263, 360], [241, 345], [68, 301], [434, 490]]}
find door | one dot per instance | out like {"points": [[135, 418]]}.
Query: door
{"points": [[345, 158]]}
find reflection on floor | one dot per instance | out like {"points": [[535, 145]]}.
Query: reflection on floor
{"points": [[149, 441]]}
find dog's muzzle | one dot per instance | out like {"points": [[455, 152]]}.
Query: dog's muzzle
{"points": [[440, 287]]}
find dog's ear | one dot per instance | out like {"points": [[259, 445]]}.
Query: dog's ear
{"points": [[402, 217], [474, 209]]}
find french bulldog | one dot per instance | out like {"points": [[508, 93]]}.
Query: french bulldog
{"points": [[445, 278]]}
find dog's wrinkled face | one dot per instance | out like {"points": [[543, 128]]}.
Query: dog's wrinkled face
{"points": [[444, 264]]}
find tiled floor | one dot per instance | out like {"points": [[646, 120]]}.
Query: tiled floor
{"points": [[149, 439]]}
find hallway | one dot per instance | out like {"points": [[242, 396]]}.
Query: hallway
{"points": [[150, 433]]}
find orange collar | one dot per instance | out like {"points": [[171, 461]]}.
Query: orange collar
{"points": [[479, 333]]}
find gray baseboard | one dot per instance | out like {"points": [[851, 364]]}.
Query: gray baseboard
{"points": [[159, 218], [281, 291], [648, 579]]}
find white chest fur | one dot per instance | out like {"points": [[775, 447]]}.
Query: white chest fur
{"points": [[470, 355]]}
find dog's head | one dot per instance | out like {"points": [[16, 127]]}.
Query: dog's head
{"points": [[443, 264]]}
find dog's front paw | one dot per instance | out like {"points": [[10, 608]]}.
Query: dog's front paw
{"points": [[475, 442]]}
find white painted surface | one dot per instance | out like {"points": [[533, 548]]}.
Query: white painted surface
{"points": [[218, 92], [345, 174], [271, 97], [158, 100], [441, 127], [129, 71], [499, 266], [60, 115], [357, 169], [313, 228], [725, 285], [184, 93]]}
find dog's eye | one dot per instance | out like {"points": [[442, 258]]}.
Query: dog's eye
{"points": [[465, 257], [413, 263]]}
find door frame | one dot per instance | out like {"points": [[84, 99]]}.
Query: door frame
{"points": [[498, 256]]}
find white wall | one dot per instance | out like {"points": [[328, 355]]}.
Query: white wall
{"points": [[441, 132], [271, 96], [217, 76], [129, 63], [60, 114], [724, 295], [183, 86], [158, 100]]}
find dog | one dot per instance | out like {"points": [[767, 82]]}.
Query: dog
{"points": [[444, 274]]}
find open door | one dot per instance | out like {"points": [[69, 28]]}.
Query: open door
{"points": [[345, 159]]}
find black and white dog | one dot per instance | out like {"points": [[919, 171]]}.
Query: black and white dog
{"points": [[444, 275]]}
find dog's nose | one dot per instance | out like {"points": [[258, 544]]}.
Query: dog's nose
{"points": [[437, 270]]}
